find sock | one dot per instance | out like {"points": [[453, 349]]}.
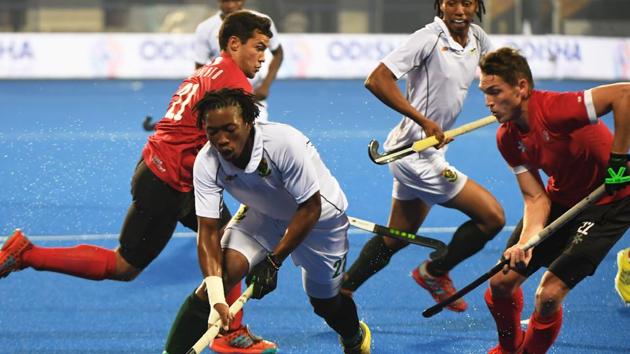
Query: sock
{"points": [[84, 261], [374, 256], [507, 315], [340, 312], [466, 241], [189, 325], [542, 332], [231, 296]]}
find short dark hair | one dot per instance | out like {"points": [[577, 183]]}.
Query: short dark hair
{"points": [[243, 24], [508, 64], [245, 102], [481, 9]]}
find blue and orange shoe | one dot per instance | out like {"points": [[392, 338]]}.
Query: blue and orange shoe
{"points": [[242, 341], [440, 288], [11, 253]]}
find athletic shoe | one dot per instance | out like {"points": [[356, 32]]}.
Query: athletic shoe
{"points": [[242, 341], [365, 347], [11, 253], [440, 287], [622, 280]]}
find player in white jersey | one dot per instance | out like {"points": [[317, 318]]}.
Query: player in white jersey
{"points": [[440, 61], [206, 48], [294, 207]]}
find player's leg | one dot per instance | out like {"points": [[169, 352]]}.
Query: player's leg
{"points": [[406, 215], [148, 220], [504, 296], [486, 220], [435, 181], [240, 251], [591, 236], [322, 257]]}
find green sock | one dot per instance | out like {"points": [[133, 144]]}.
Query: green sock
{"points": [[374, 256], [190, 324]]}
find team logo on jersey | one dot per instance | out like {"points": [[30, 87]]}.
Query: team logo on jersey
{"points": [[263, 168], [450, 175], [521, 147]]}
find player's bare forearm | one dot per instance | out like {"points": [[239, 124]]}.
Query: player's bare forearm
{"points": [[382, 83], [621, 113], [537, 204], [274, 65], [209, 246], [615, 97], [303, 221]]}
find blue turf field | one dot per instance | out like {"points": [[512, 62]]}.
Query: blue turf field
{"points": [[67, 153]]}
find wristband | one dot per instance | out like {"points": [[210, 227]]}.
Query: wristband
{"points": [[214, 287]]}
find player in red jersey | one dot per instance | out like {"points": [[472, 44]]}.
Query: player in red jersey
{"points": [[560, 134], [162, 187]]}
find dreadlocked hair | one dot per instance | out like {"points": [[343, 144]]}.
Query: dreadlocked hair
{"points": [[481, 9], [244, 102]]}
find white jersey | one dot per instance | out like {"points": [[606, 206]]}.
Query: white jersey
{"points": [[207, 47], [439, 72], [285, 170]]}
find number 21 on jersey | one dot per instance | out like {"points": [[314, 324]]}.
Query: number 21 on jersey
{"points": [[177, 106]]}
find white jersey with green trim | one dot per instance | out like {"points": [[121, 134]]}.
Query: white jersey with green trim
{"points": [[439, 73], [206, 45], [284, 171]]}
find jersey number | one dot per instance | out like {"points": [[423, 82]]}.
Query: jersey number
{"points": [[340, 267], [177, 106]]}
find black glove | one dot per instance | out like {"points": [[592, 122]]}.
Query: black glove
{"points": [[617, 176], [264, 276]]}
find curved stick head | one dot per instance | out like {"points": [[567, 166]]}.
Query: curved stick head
{"points": [[373, 152], [432, 311], [438, 252]]}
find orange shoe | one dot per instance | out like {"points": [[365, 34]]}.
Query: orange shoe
{"points": [[242, 341], [440, 288], [11, 253]]}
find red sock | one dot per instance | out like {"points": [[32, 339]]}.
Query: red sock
{"points": [[507, 315], [542, 332], [84, 261], [232, 295]]}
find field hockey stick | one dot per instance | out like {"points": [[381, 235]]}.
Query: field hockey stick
{"points": [[423, 144], [212, 332], [148, 125], [531, 243], [438, 246]]}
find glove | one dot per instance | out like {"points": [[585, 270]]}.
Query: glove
{"points": [[264, 276], [617, 176]]}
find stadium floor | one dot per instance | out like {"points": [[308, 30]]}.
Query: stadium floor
{"points": [[67, 153]]}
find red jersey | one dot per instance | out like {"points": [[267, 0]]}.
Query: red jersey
{"points": [[170, 152], [570, 145]]}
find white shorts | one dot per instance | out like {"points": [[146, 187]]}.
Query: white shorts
{"points": [[322, 255], [431, 179]]}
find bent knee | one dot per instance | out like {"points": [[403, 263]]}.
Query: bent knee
{"points": [[548, 299], [492, 222], [125, 271], [502, 286]]}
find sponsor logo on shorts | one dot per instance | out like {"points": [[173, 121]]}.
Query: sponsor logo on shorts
{"points": [[450, 175]]}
